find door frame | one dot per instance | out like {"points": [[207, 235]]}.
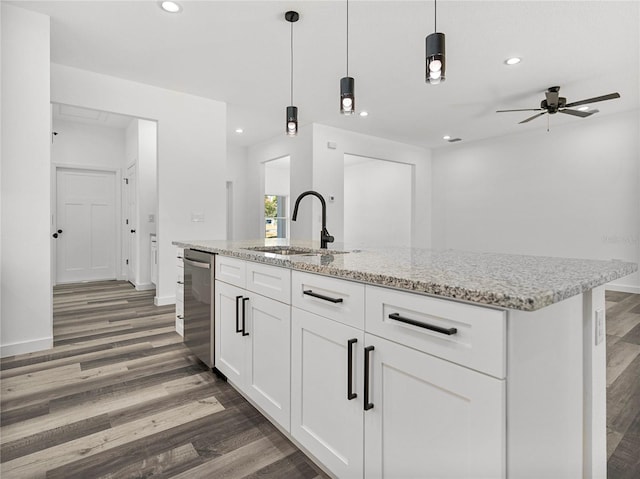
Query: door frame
{"points": [[54, 205]]}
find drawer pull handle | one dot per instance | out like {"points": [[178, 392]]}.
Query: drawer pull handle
{"points": [[180, 282], [180, 316], [238, 330], [322, 296], [244, 316], [367, 405], [350, 394], [430, 327]]}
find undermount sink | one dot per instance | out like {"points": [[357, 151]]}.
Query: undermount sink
{"points": [[293, 250]]}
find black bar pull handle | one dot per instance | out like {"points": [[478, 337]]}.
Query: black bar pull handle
{"points": [[367, 405], [430, 327], [350, 394], [321, 296], [238, 330], [244, 316]]}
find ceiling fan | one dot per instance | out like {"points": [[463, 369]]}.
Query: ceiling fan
{"points": [[554, 103]]}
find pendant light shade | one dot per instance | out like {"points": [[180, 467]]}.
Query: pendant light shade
{"points": [[435, 52], [292, 111], [292, 120], [347, 96], [435, 58], [347, 84]]}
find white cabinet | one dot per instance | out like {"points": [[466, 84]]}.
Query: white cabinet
{"points": [[323, 419], [253, 338], [154, 259], [431, 419]]}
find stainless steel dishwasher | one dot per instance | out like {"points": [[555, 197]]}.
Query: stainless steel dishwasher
{"points": [[198, 304]]}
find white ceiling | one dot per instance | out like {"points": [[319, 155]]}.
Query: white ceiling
{"points": [[238, 52]]}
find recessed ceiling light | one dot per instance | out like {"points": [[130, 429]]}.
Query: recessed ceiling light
{"points": [[513, 61], [583, 108], [171, 7], [364, 113], [446, 137], [239, 130]]}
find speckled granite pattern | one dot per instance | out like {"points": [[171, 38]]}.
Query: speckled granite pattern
{"points": [[519, 282]]}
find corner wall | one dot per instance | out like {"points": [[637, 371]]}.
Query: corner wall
{"points": [[25, 238], [572, 192]]}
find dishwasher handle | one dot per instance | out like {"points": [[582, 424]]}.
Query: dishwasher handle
{"points": [[197, 264]]}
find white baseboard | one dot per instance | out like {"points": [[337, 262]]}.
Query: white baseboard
{"points": [[25, 347], [145, 286], [623, 288], [164, 300]]}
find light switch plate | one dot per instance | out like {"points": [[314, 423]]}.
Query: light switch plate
{"points": [[599, 326]]}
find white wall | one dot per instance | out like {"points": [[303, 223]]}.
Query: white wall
{"points": [[147, 200], [572, 192], [276, 178], [26, 311], [238, 209], [191, 155], [377, 202], [328, 177], [83, 145], [299, 148]]}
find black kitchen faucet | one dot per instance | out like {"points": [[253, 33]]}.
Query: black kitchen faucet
{"points": [[325, 237]]}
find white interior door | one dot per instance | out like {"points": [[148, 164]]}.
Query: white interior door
{"points": [[131, 230], [86, 217]]}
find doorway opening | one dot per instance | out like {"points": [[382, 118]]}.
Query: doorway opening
{"points": [[276, 197], [104, 197]]}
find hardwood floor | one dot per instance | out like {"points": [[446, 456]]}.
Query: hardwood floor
{"points": [[119, 396]]}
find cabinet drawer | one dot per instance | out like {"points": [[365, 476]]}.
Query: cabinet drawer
{"points": [[476, 336], [179, 308], [270, 281], [332, 298], [231, 270], [180, 256]]}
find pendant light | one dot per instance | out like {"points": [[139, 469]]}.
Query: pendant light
{"points": [[435, 56], [347, 84], [292, 111]]}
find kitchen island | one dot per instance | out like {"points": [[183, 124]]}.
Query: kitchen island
{"points": [[418, 363]]}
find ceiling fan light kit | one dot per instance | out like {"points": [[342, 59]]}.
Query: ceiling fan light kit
{"points": [[554, 103], [435, 53], [292, 111]]}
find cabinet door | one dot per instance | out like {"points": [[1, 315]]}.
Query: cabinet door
{"points": [[230, 344], [431, 418], [268, 356], [323, 420]]}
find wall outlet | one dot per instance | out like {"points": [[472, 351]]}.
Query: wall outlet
{"points": [[332, 145], [599, 326], [151, 218]]}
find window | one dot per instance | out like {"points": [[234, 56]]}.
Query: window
{"points": [[275, 216]]}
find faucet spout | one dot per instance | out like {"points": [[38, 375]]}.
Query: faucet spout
{"points": [[325, 237]]}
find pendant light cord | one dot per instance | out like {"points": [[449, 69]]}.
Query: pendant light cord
{"points": [[292, 63], [435, 16], [347, 37]]}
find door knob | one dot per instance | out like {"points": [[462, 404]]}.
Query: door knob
{"points": [[133, 231], [59, 231], [55, 235]]}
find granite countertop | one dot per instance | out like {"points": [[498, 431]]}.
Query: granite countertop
{"points": [[509, 281]]}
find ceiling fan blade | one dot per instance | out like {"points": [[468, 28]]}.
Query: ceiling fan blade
{"points": [[523, 109], [552, 97], [610, 96], [533, 117], [581, 114]]}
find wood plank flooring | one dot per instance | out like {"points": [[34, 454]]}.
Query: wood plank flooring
{"points": [[119, 396]]}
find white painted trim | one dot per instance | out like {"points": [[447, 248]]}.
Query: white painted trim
{"points": [[145, 287], [164, 300], [25, 347], [180, 326], [623, 288]]}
